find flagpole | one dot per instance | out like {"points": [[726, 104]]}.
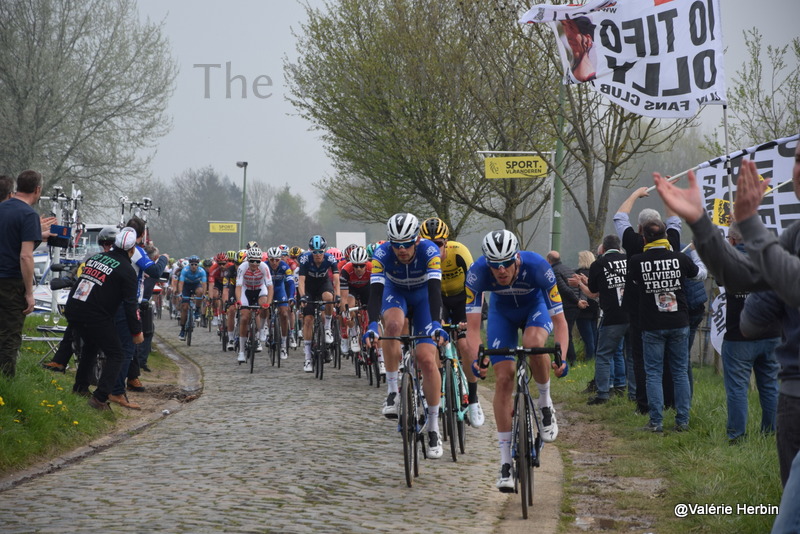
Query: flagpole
{"points": [[728, 164]]}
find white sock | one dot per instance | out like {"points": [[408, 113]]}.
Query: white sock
{"points": [[328, 319], [391, 381], [285, 342], [433, 418], [307, 347], [544, 394], [504, 441]]}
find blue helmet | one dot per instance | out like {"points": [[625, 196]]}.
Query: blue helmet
{"points": [[193, 259], [317, 243]]}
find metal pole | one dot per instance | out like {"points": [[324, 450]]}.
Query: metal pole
{"points": [[557, 186], [243, 165]]}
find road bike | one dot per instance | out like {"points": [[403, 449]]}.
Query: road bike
{"points": [[320, 350], [251, 342], [454, 405], [413, 409], [223, 326], [190, 319], [275, 334], [526, 440]]}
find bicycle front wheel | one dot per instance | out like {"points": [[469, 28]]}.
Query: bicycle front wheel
{"points": [[523, 470], [450, 407], [408, 427], [251, 352]]}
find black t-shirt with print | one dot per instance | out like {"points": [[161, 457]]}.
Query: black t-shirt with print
{"points": [[656, 275], [607, 277]]}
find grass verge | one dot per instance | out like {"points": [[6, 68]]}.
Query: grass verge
{"points": [[40, 417]]}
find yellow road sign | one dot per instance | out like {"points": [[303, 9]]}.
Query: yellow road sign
{"points": [[223, 227], [515, 167]]}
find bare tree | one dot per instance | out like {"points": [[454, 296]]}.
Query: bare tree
{"points": [[84, 87]]}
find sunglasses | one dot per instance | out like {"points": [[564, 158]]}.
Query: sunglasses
{"points": [[404, 244], [255, 261], [439, 242], [498, 264], [359, 265], [195, 264], [318, 252], [274, 259]]}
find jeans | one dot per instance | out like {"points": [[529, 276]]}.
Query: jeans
{"points": [[640, 376], [787, 436], [608, 341], [12, 304], [672, 344], [143, 349], [619, 376], [788, 519], [588, 331], [739, 358], [570, 314], [128, 348]]}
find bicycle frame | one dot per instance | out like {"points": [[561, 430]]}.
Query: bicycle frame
{"points": [[453, 373]]}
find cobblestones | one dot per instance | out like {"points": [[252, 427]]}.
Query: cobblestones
{"points": [[275, 451]]}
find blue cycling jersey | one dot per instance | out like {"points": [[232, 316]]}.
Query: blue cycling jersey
{"points": [[282, 277], [189, 277], [311, 269], [535, 280], [424, 266]]}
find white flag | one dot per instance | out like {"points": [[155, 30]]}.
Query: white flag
{"points": [[657, 58]]}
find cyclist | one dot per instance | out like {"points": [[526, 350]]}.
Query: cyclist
{"points": [[355, 284], [229, 295], [525, 296], [253, 285], [192, 281], [294, 254], [314, 283], [284, 290], [456, 260], [175, 275], [407, 277], [216, 275]]}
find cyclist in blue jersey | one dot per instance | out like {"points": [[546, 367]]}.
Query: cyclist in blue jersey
{"points": [[407, 277], [192, 281], [284, 289], [314, 283], [525, 295]]}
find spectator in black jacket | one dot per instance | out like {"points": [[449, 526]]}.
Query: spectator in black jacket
{"points": [[107, 280], [570, 296]]}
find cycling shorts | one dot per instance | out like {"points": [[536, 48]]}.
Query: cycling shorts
{"points": [[279, 295], [361, 294], [315, 287], [188, 290], [414, 300], [454, 310], [250, 296], [502, 329]]}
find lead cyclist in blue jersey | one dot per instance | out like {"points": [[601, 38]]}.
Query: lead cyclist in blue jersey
{"points": [[407, 276], [525, 295], [192, 281]]}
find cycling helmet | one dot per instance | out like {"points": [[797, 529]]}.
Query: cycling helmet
{"points": [[402, 227], [241, 256], [500, 245], [370, 249], [434, 228], [264, 256], [231, 255], [317, 243], [284, 249], [207, 263], [107, 236], [254, 253], [335, 252], [350, 248], [359, 255], [193, 259], [221, 258], [274, 252], [295, 251], [251, 244]]}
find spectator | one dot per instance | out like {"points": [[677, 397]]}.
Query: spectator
{"points": [[6, 187], [570, 297], [606, 280], [742, 355], [589, 310], [21, 234], [107, 283], [633, 243], [656, 276], [146, 312]]}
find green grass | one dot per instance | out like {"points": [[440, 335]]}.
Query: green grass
{"points": [[697, 467], [40, 417]]}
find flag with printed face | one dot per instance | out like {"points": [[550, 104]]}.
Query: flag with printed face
{"points": [[657, 58]]}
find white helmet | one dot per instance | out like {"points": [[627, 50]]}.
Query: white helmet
{"points": [[402, 227], [500, 245], [274, 252], [254, 253], [359, 255]]}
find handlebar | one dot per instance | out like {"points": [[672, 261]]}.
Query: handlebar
{"points": [[518, 351]]}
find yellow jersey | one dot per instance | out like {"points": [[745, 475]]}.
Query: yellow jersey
{"points": [[456, 260]]}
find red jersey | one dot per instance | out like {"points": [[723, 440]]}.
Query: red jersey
{"points": [[350, 280]]}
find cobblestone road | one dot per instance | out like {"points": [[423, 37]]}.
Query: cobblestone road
{"points": [[273, 451]]}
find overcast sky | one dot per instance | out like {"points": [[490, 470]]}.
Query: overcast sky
{"points": [[253, 36]]}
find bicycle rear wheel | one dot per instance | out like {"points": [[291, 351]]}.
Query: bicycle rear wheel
{"points": [[224, 336], [189, 328], [523, 468], [376, 369], [253, 341], [319, 355], [408, 427], [277, 339], [450, 407], [462, 394]]}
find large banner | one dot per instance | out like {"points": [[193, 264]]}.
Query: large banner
{"points": [[779, 209], [657, 58]]}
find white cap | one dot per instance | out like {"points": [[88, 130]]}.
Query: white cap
{"points": [[126, 238]]}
